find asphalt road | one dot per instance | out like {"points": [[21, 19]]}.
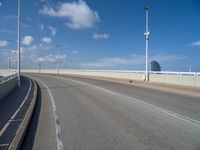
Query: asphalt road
{"points": [[13, 108], [82, 114]]}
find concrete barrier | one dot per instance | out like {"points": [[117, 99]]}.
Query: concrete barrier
{"points": [[179, 78], [186, 79], [7, 84], [21, 132]]}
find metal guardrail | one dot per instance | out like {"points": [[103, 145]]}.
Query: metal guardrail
{"points": [[6, 78], [180, 78], [114, 71], [118, 71], [130, 71], [177, 73], [7, 84], [5, 72]]}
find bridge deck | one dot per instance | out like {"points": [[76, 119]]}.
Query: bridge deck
{"points": [[95, 114], [13, 108]]}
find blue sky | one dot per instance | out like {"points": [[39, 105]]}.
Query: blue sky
{"points": [[101, 34]]}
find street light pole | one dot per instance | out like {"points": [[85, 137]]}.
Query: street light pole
{"points": [[18, 67], [147, 39], [9, 62], [39, 67], [57, 59]]}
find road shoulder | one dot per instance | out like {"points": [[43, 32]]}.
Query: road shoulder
{"points": [[41, 132]]}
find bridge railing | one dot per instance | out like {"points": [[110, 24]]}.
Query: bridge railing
{"points": [[180, 78], [176, 73], [9, 77], [131, 71], [8, 82]]}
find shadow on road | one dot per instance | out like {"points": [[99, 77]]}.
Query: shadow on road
{"points": [[31, 132], [78, 85], [10, 103]]}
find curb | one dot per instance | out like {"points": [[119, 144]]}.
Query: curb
{"points": [[21, 132]]}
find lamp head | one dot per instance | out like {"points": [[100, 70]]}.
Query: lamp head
{"points": [[146, 8]]}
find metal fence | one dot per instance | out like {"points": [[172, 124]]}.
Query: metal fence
{"points": [[6, 75], [131, 71]]}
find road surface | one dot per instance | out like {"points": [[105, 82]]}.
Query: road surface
{"points": [[13, 108], [82, 114]]}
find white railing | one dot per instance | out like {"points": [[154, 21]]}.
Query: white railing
{"points": [[8, 82], [5, 72], [127, 71], [6, 78], [132, 71], [176, 73], [181, 78], [115, 71]]}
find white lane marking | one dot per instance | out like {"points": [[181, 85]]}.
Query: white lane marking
{"points": [[56, 119], [14, 115], [15, 120], [165, 111], [3, 145]]}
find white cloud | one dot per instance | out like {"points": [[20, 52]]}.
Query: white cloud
{"points": [[168, 58], [29, 19], [74, 52], [41, 27], [51, 59], [10, 17], [195, 44], [7, 31], [46, 40], [31, 49], [28, 55], [25, 25], [97, 36], [43, 0], [79, 14], [53, 30], [27, 40], [3, 43], [115, 61], [132, 60], [13, 56]]}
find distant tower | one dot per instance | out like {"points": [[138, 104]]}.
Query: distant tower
{"points": [[155, 66]]}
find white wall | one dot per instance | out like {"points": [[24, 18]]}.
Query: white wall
{"points": [[8, 81], [7, 86], [180, 78]]}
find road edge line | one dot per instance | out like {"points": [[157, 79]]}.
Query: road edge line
{"points": [[56, 118]]}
